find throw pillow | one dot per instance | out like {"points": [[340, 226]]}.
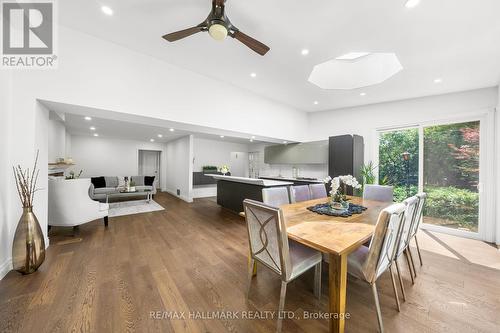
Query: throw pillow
{"points": [[149, 180], [98, 182]]}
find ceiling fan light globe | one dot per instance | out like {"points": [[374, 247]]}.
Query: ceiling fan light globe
{"points": [[217, 32]]}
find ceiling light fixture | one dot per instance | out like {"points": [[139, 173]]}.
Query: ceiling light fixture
{"points": [[304, 52], [315, 102], [87, 118], [222, 136], [412, 3], [217, 31], [152, 140], [251, 140], [438, 80], [285, 142], [171, 130], [253, 136], [92, 128], [253, 75], [362, 94], [160, 135], [95, 134], [106, 10]]}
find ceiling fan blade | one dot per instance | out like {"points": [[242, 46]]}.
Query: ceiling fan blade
{"points": [[254, 44], [174, 36]]}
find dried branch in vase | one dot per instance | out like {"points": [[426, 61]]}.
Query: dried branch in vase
{"points": [[26, 183]]}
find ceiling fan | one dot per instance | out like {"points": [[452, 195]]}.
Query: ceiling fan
{"points": [[219, 27]]}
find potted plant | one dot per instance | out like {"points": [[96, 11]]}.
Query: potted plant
{"points": [[28, 247], [132, 186], [338, 185], [224, 169]]}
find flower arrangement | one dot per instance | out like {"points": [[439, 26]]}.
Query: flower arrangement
{"points": [[338, 190], [224, 169]]}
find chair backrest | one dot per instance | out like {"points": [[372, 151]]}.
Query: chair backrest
{"points": [[267, 236], [422, 197], [384, 241], [300, 193], [275, 196], [318, 191], [378, 193], [408, 221]]}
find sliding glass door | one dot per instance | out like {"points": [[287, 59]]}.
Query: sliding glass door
{"points": [[442, 159], [451, 155]]}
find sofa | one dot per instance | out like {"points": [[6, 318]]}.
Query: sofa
{"points": [[101, 187], [70, 206]]}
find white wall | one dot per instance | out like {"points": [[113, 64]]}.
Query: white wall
{"points": [[497, 166], [6, 226], [215, 152], [112, 157], [179, 167], [57, 140]]}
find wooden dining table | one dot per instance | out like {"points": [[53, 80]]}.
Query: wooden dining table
{"points": [[337, 237]]}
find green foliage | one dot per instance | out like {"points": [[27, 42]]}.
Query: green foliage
{"points": [[400, 192], [209, 168], [368, 174], [392, 167]]}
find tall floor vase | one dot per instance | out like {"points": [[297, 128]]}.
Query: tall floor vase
{"points": [[28, 248]]}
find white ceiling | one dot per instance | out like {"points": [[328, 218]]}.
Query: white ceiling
{"points": [[456, 40]]}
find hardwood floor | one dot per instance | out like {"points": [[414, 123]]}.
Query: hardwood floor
{"points": [[192, 257]]}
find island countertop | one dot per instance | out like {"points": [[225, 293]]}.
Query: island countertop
{"points": [[252, 181]]}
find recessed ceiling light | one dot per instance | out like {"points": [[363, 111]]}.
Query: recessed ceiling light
{"points": [[352, 55], [92, 128], [362, 94], [315, 102], [254, 75], [412, 3], [251, 140], [222, 136], [95, 134], [88, 118], [304, 52], [106, 10], [152, 140], [253, 136], [171, 130], [438, 80], [285, 142], [160, 135]]}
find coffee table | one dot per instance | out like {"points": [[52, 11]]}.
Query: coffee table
{"points": [[125, 193]]}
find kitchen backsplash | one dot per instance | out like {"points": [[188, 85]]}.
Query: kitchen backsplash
{"points": [[318, 171]]}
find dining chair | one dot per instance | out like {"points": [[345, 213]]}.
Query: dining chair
{"points": [[269, 245], [368, 263], [422, 197], [318, 191], [411, 205], [378, 193], [300, 193], [275, 196]]}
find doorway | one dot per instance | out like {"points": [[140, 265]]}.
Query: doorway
{"points": [[150, 164], [446, 160]]}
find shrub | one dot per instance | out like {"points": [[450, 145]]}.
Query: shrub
{"points": [[451, 203]]}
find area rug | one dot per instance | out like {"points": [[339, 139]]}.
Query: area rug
{"points": [[133, 207]]}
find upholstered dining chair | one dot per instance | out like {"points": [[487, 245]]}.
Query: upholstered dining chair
{"points": [[300, 193], [318, 191], [422, 197], [368, 264], [270, 247], [404, 241], [275, 196], [378, 193]]}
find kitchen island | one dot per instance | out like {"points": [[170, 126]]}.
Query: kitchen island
{"points": [[231, 191]]}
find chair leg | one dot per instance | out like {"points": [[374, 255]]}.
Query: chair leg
{"points": [[400, 281], [418, 250], [317, 280], [251, 265], [106, 219], [409, 266], [412, 262], [394, 288], [281, 307], [377, 306], [76, 231]]}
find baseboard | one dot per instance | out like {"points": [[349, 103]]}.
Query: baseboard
{"points": [[182, 197], [5, 267]]}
